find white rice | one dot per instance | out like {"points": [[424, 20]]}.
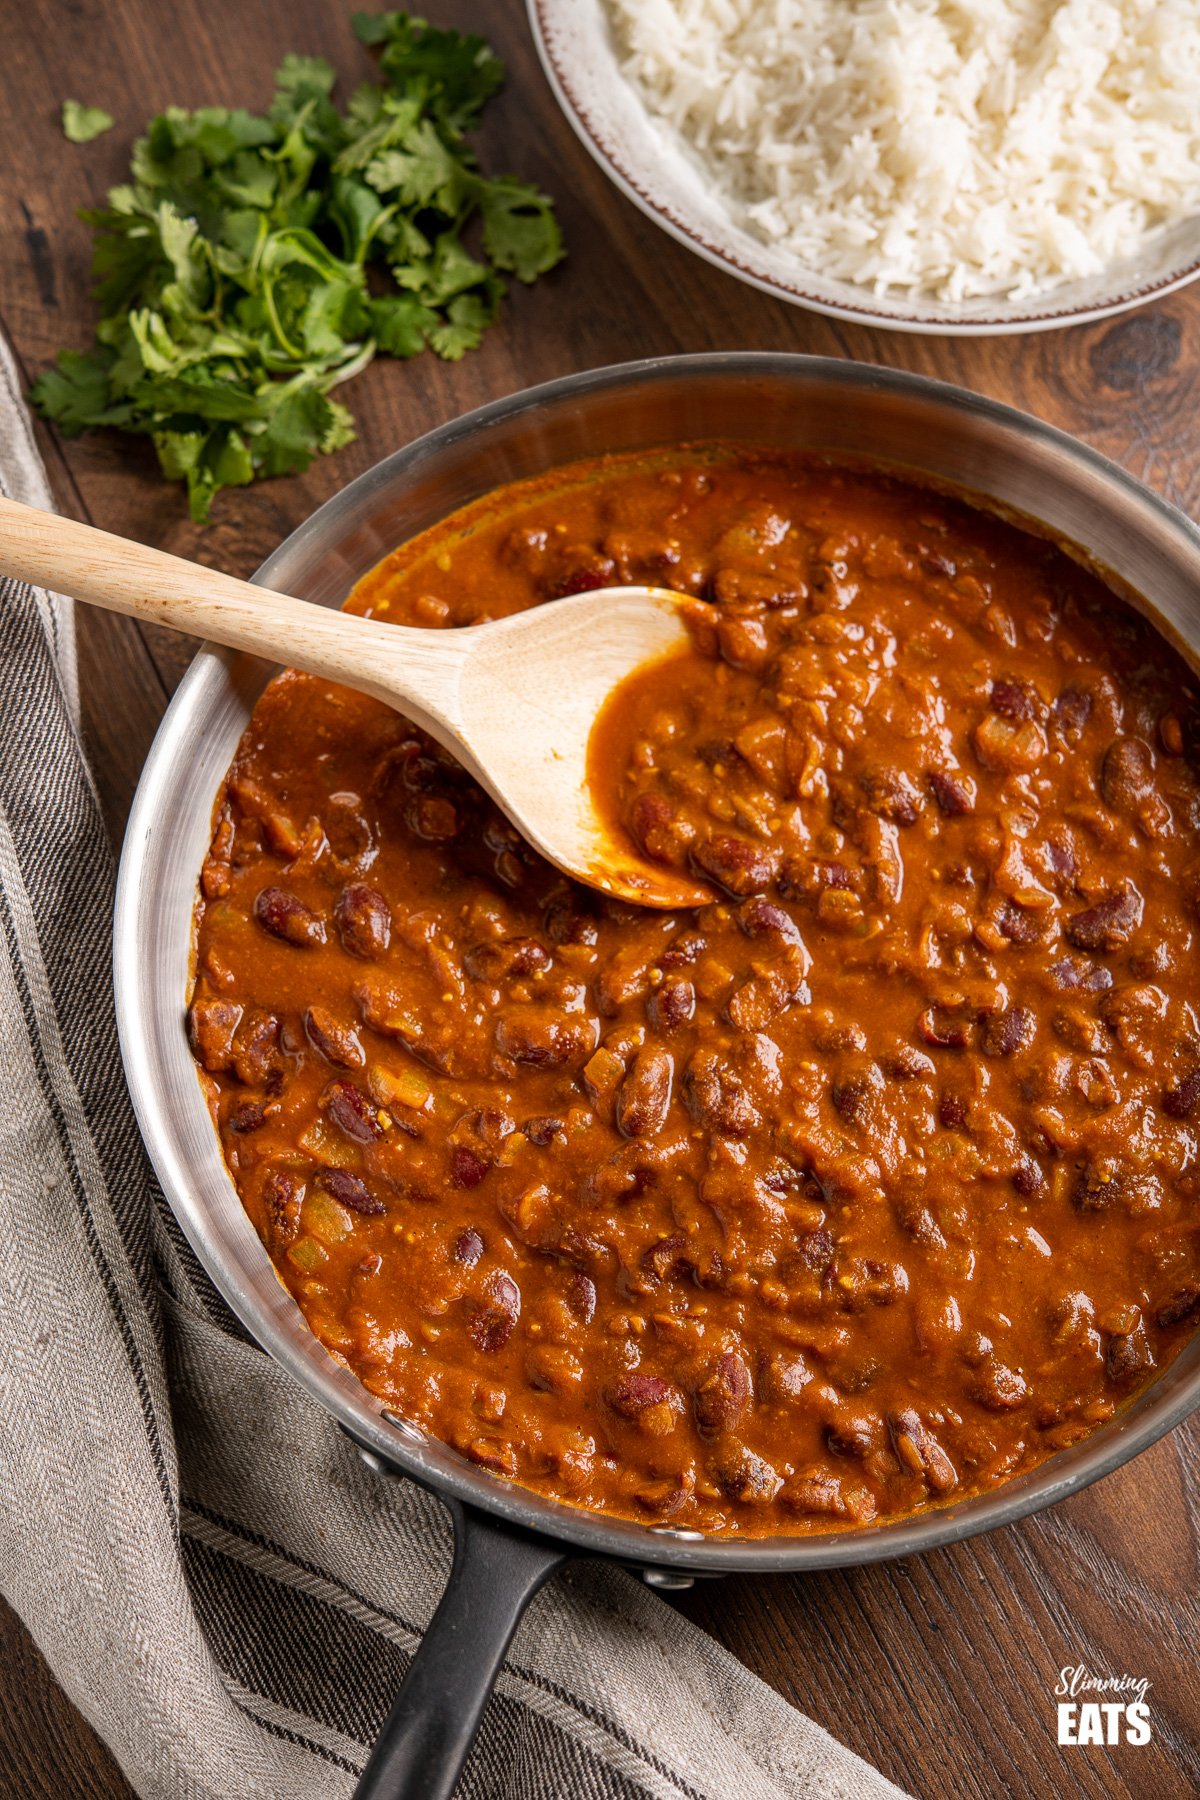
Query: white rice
{"points": [[950, 148]]}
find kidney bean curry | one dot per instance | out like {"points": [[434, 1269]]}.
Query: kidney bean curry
{"points": [[866, 1187]]}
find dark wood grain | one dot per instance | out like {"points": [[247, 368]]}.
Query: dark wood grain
{"points": [[941, 1669]]}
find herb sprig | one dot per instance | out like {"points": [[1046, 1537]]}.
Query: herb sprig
{"points": [[232, 269]]}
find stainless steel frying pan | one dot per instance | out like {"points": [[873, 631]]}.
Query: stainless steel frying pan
{"points": [[508, 1540]]}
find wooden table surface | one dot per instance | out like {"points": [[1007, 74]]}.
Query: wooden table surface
{"points": [[940, 1670]]}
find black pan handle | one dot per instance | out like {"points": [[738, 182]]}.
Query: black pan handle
{"points": [[429, 1732]]}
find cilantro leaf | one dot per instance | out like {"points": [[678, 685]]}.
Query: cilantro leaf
{"points": [[460, 74], [294, 432], [520, 231], [83, 123], [466, 319], [231, 268], [401, 324], [305, 75]]}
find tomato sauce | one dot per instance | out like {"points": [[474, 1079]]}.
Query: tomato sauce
{"points": [[866, 1187]]}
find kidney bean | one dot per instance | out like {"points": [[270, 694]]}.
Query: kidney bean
{"points": [[1005, 1032], [636, 1392], [662, 1261], [282, 1193], [753, 1005], [891, 796], [581, 1297], [683, 950], [782, 1378], [852, 1434], [722, 1397], [1019, 924], [824, 1494], [364, 921], [998, 1387], [582, 570], [1108, 924], [247, 1117], [1181, 1098], [851, 1094], [566, 922], [1154, 960], [1014, 700], [715, 1097], [256, 1048], [350, 1190], [285, 916], [760, 918], [743, 643], [1070, 974], [626, 978], [906, 1064], [628, 1173], [919, 1451], [740, 867], [540, 1038], [1126, 773], [671, 1005], [645, 1094], [1060, 854], [433, 819], [746, 1477], [1072, 710], [1128, 1355], [493, 1454], [1170, 734], [506, 959], [946, 1027], [542, 1131], [211, 1028], [815, 1250], [468, 1247], [952, 1112], [867, 1281], [489, 1125], [493, 1319], [1183, 1304], [338, 1043], [467, 1167], [954, 794], [917, 1220], [654, 825], [352, 1113], [1028, 1178]]}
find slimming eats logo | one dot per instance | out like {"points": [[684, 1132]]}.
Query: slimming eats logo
{"points": [[1102, 1709]]}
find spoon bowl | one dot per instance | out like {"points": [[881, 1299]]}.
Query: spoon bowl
{"points": [[514, 701]]}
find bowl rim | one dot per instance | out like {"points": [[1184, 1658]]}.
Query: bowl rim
{"points": [[624, 175], [362, 1416]]}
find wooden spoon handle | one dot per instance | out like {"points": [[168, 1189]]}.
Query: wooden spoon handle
{"points": [[125, 577]]}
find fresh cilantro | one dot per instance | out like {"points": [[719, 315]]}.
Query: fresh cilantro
{"points": [[231, 268], [83, 123]]}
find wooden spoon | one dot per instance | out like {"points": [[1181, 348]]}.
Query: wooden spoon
{"points": [[514, 701]]}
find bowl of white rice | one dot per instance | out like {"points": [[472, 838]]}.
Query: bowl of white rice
{"points": [[953, 166]]}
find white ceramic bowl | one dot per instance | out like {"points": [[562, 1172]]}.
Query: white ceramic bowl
{"points": [[643, 159]]}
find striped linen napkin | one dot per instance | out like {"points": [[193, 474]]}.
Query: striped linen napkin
{"points": [[224, 1590]]}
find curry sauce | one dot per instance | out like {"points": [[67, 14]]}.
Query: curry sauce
{"points": [[866, 1187]]}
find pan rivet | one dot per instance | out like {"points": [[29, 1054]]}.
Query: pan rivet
{"points": [[667, 1579], [412, 1432]]}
